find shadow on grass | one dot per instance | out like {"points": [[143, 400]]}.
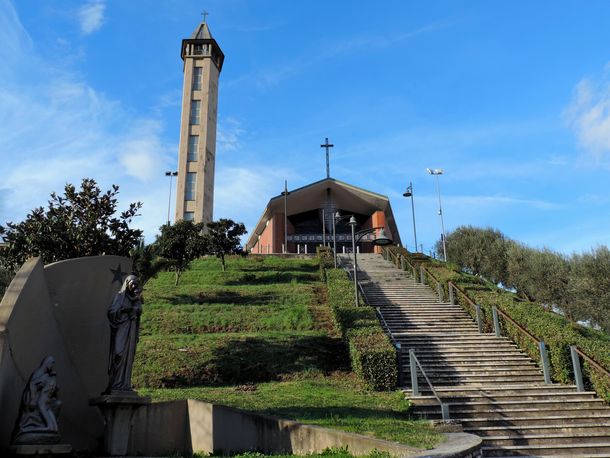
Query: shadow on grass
{"points": [[262, 359], [223, 297], [273, 278], [230, 359], [341, 414], [305, 268]]}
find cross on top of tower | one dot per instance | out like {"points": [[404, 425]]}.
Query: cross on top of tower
{"points": [[327, 146], [205, 14]]}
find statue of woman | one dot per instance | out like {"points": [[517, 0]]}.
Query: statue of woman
{"points": [[124, 316], [37, 420]]}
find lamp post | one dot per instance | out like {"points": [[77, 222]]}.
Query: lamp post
{"points": [[382, 240], [409, 193], [437, 172], [169, 201], [285, 216], [336, 218]]}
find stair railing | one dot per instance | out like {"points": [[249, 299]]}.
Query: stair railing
{"points": [[575, 352], [496, 312], [413, 365], [476, 309], [404, 263], [426, 277]]}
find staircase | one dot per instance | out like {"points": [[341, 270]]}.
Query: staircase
{"points": [[492, 388]]}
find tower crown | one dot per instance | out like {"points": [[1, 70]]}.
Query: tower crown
{"points": [[201, 44]]}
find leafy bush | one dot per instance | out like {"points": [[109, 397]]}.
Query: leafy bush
{"points": [[556, 331], [6, 275], [372, 355], [83, 222]]}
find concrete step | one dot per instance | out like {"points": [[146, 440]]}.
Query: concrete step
{"points": [[588, 450], [514, 419], [514, 406], [549, 438], [541, 429], [515, 395], [441, 373], [475, 380]]}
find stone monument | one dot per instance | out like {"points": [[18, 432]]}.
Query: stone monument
{"points": [[119, 401], [36, 429]]}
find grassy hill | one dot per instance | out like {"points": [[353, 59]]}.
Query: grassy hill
{"points": [[260, 336]]}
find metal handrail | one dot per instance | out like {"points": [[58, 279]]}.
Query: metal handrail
{"points": [[439, 285], [592, 361], [462, 292], [415, 384], [398, 264]]}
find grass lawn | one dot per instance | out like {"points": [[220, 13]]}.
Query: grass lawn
{"points": [[260, 337]]}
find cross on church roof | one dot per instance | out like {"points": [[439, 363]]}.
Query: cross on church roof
{"points": [[327, 146], [205, 15]]}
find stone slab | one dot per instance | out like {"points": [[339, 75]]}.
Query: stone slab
{"points": [[41, 449], [120, 397]]}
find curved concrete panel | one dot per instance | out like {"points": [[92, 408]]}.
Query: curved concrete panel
{"points": [[59, 310]]}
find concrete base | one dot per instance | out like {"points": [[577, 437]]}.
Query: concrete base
{"points": [[118, 409], [41, 449]]}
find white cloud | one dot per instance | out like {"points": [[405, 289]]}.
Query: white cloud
{"points": [[589, 114], [91, 16], [242, 193], [229, 135], [55, 128], [143, 154]]}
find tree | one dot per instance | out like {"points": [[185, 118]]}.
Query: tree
{"points": [[590, 287], [180, 244], [146, 262], [79, 223], [478, 251], [222, 238]]}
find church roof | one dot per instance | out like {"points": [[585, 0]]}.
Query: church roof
{"points": [[346, 197], [202, 32]]}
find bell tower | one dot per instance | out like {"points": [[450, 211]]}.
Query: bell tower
{"points": [[203, 61]]}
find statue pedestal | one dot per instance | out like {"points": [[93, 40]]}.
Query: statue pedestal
{"points": [[41, 449], [118, 408]]}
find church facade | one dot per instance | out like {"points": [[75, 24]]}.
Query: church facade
{"points": [[304, 218], [203, 60]]}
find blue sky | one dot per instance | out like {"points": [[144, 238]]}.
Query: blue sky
{"points": [[511, 99]]}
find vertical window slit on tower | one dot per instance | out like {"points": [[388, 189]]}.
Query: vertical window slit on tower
{"points": [[197, 72], [195, 112], [193, 147], [191, 182]]}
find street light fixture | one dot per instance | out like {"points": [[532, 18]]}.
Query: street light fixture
{"points": [[336, 218], [438, 172], [381, 240], [285, 193], [409, 193], [169, 201]]}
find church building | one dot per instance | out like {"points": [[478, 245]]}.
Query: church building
{"points": [[309, 219], [203, 61]]}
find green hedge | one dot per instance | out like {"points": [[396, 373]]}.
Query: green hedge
{"points": [[372, 355], [556, 331]]}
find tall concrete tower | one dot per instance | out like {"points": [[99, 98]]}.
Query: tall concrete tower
{"points": [[203, 60]]}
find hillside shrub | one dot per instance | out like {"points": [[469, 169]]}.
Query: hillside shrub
{"points": [[555, 330], [372, 355]]}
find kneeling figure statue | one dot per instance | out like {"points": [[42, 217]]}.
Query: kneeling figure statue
{"points": [[39, 410]]}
